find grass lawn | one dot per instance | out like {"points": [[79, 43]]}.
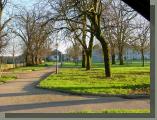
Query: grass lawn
{"points": [[124, 81], [7, 78], [117, 111], [33, 68]]}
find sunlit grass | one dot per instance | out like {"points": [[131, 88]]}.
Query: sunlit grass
{"points": [[132, 111], [124, 81], [33, 68], [6, 78]]}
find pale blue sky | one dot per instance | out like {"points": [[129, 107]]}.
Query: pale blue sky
{"points": [[25, 2], [28, 4]]}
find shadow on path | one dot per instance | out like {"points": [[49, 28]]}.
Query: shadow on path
{"points": [[57, 104], [26, 88]]}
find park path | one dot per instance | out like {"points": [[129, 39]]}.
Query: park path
{"points": [[21, 96]]}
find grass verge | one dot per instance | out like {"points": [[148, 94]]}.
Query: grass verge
{"points": [[124, 81], [7, 78], [33, 68], [117, 111]]}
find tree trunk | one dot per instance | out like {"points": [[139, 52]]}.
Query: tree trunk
{"points": [[142, 57], [28, 63], [89, 50], [95, 19], [37, 60], [29, 60], [83, 59], [88, 54], [113, 59], [26, 58], [121, 60], [40, 60], [33, 59], [105, 49], [0, 67], [106, 57], [113, 55]]}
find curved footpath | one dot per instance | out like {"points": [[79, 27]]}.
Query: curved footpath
{"points": [[21, 96]]}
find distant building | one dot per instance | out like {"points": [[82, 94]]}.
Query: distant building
{"points": [[129, 54], [53, 56], [97, 55]]}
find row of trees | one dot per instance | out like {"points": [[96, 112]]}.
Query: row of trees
{"points": [[31, 28], [110, 22], [3, 26], [83, 18], [3, 30], [127, 29]]}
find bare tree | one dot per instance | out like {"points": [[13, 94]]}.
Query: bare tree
{"points": [[3, 31], [3, 25], [31, 28], [75, 9], [74, 51], [123, 16], [81, 37], [108, 27], [141, 40], [76, 23], [93, 10]]}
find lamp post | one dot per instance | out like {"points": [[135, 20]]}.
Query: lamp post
{"points": [[61, 60], [56, 56], [13, 55]]}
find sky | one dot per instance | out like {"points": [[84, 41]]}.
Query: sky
{"points": [[28, 4], [62, 46], [8, 11]]}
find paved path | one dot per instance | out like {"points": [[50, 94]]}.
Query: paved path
{"points": [[21, 96]]}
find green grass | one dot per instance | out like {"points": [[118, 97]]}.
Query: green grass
{"points": [[71, 65], [101, 65], [124, 81], [116, 111], [7, 78], [134, 63], [33, 68]]}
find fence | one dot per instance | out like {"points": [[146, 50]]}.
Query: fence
{"points": [[10, 66]]}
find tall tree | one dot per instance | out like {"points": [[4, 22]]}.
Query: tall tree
{"points": [[141, 40], [123, 16], [31, 28], [93, 10], [3, 26], [76, 23], [74, 10], [87, 45], [108, 30]]}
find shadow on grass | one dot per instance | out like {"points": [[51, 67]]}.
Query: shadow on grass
{"points": [[30, 89], [134, 73], [101, 65], [133, 87]]}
